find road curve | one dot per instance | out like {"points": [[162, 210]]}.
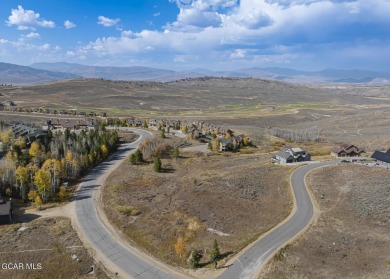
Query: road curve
{"points": [[125, 262], [252, 260]]}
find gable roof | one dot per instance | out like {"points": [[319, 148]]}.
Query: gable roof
{"points": [[347, 148], [283, 154]]}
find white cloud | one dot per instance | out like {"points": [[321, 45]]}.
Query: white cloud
{"points": [[68, 24], [238, 54], [156, 14], [70, 53], [127, 33], [107, 22], [30, 36], [252, 33], [27, 19]]}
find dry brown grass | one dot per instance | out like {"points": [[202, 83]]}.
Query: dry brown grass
{"points": [[351, 237], [234, 195], [49, 242]]}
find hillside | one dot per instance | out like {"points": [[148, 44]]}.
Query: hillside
{"points": [[22, 75], [115, 73]]}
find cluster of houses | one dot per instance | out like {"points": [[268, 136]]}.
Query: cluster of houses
{"points": [[296, 154], [347, 151], [71, 124]]}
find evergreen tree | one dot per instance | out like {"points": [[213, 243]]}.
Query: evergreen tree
{"points": [[176, 152], [215, 254], [139, 156], [195, 258], [157, 164], [133, 159]]}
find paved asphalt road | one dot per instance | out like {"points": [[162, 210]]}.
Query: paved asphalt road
{"points": [[248, 264], [98, 235]]}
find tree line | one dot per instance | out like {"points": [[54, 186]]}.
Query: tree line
{"points": [[36, 171]]}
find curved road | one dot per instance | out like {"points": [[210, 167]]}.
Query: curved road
{"points": [[248, 265], [126, 263], [129, 265]]}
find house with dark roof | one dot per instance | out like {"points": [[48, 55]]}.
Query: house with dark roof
{"points": [[346, 150], [291, 155], [5, 210], [29, 133], [382, 158], [71, 124]]}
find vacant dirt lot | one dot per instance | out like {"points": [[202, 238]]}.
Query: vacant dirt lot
{"points": [[50, 242], [240, 197], [351, 238]]}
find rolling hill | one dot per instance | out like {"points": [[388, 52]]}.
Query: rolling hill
{"points": [[23, 75], [116, 73]]}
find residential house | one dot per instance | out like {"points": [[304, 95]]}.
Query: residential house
{"points": [[291, 155], [71, 124], [346, 150], [5, 210], [228, 144], [29, 133], [382, 158]]}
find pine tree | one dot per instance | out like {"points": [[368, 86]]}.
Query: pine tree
{"points": [[215, 254], [139, 157], [133, 159], [195, 258], [176, 153], [157, 164]]}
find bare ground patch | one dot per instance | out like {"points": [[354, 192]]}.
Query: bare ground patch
{"points": [[50, 243], [233, 199], [351, 237]]}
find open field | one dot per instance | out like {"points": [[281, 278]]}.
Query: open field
{"points": [[197, 96], [236, 195], [356, 114], [49, 244], [233, 195], [351, 237]]}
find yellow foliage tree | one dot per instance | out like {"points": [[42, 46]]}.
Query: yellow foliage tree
{"points": [[38, 201], [35, 151], [20, 142], [7, 136], [42, 182], [104, 151], [22, 176], [216, 144], [180, 246], [184, 129], [63, 195], [32, 195], [53, 167]]}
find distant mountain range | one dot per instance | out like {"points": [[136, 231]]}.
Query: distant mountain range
{"points": [[284, 74], [116, 73], [40, 73], [22, 75]]}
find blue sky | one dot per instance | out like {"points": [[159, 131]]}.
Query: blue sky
{"points": [[188, 34]]}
